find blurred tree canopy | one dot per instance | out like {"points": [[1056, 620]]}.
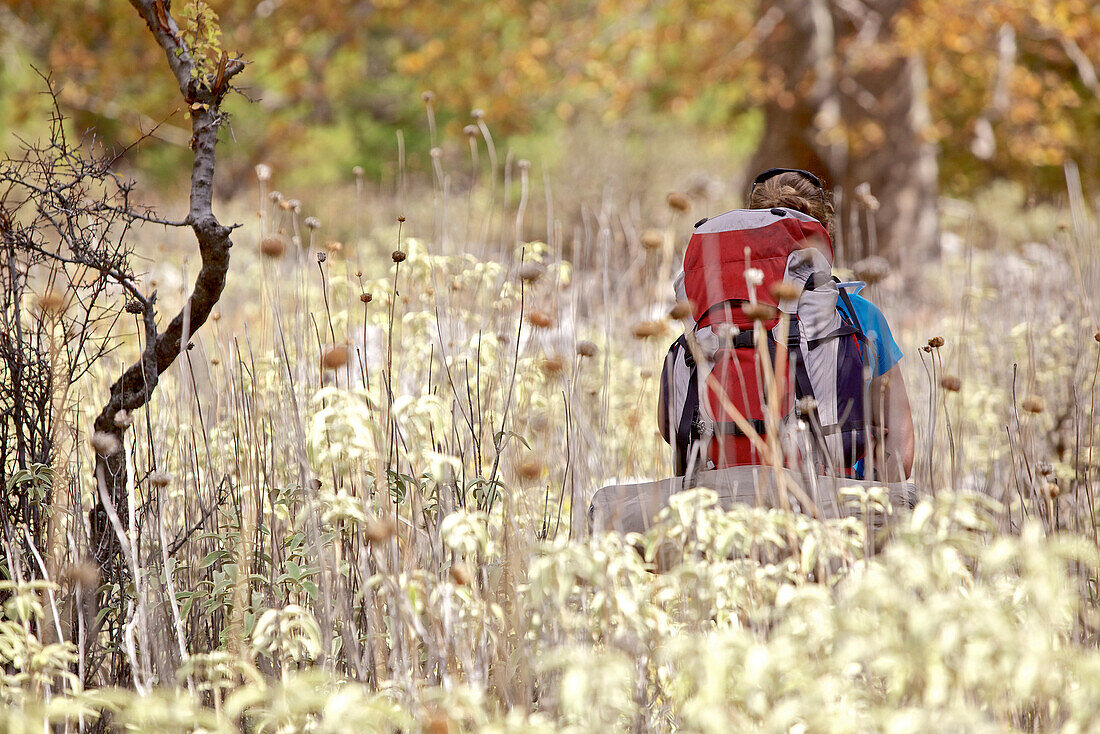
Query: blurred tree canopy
{"points": [[1011, 85]]}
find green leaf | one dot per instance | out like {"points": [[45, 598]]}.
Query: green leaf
{"points": [[210, 558]]}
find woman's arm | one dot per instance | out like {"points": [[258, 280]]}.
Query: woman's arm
{"points": [[890, 409]]}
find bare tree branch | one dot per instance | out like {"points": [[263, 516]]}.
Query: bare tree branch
{"points": [[203, 96]]}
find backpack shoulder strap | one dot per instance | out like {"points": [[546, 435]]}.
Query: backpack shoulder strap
{"points": [[848, 305]]}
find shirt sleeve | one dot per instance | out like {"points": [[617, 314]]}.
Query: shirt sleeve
{"points": [[874, 325]]}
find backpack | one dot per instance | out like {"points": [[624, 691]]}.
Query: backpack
{"points": [[715, 365]]}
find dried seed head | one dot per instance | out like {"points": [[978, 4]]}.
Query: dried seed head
{"points": [[366, 297], [273, 246], [1032, 404], [51, 302], [275, 197], [160, 479], [727, 332], [357, 172], [401, 218], [215, 316], [1045, 468], [679, 202], [470, 130], [294, 205], [950, 383], [436, 153], [460, 574], [477, 113], [652, 239], [760, 311], [214, 361], [104, 444], [134, 307], [378, 531], [427, 95], [551, 366], [872, 269], [83, 573], [123, 419], [437, 722], [335, 357], [530, 470], [313, 223], [648, 329], [322, 256], [680, 311], [865, 198], [531, 271], [398, 256], [524, 164], [936, 342], [540, 319], [784, 290], [587, 349], [263, 172]]}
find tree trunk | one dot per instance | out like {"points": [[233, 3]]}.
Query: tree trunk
{"points": [[846, 108]]}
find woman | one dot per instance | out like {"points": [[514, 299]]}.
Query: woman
{"points": [[892, 419]]}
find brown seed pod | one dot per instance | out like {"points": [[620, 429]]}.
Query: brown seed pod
{"points": [[587, 349], [540, 319], [460, 573], [83, 573], [273, 247], [1032, 404], [379, 531], [648, 329], [335, 357], [551, 366], [51, 302], [652, 239], [936, 342], [760, 311], [680, 311], [104, 444], [783, 290], [160, 479], [398, 256], [530, 470], [366, 297], [871, 269], [530, 271], [679, 202], [950, 383]]}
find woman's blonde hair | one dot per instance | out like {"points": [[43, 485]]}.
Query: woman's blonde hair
{"points": [[794, 191]]}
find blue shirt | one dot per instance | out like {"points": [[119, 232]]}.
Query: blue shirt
{"points": [[885, 351]]}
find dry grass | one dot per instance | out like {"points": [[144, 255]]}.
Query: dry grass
{"points": [[365, 513]]}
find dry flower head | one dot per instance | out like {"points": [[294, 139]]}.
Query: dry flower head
{"points": [[335, 357]]}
